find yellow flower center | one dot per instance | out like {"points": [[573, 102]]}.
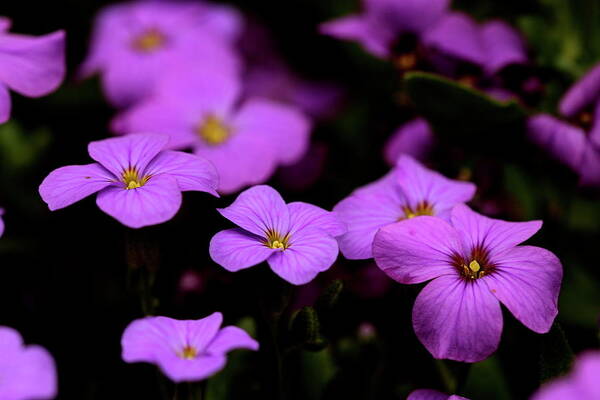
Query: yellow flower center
{"points": [[149, 41], [423, 208], [213, 131], [131, 179], [188, 353], [276, 241], [473, 270]]}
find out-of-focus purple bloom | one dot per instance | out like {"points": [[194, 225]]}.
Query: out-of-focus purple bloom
{"points": [[297, 239], [409, 190], [414, 138], [191, 281], [430, 394], [306, 171], [581, 384], [31, 66], [190, 350], [138, 182], [474, 264], [575, 139], [26, 372], [135, 44], [1, 221], [200, 109]]}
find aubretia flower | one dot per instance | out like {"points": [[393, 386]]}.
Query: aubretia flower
{"points": [[297, 239], [135, 44], [31, 66], [429, 394], [474, 264], [413, 138], [574, 140], [138, 182], [409, 190], [189, 350], [200, 109], [26, 372], [581, 384]]}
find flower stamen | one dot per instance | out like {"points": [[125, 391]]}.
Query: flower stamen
{"points": [[422, 208], [212, 130], [275, 240], [149, 41], [188, 353], [131, 179]]}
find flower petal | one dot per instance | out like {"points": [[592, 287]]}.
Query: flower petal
{"points": [[494, 235], [5, 104], [181, 370], [304, 215], [258, 210], [67, 185], [31, 375], [375, 38], [527, 281], [236, 249], [413, 16], [427, 394], [191, 172], [32, 66], [582, 94], [365, 211], [310, 251], [231, 338], [594, 133], [155, 202], [145, 338], [416, 250], [503, 44], [589, 170], [457, 320], [200, 333], [414, 138], [136, 150]]}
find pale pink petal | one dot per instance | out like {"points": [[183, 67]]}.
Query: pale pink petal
{"points": [[236, 249]]}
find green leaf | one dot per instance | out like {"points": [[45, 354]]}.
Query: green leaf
{"points": [[556, 355], [318, 368], [20, 149]]}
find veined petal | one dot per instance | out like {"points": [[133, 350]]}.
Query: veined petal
{"points": [[527, 281], [417, 250], [414, 138], [145, 338], [5, 104], [136, 150], [494, 235], [304, 215], [181, 370], [503, 44], [259, 210], [200, 333], [310, 251], [191, 172], [157, 201], [365, 211], [67, 185], [457, 320], [582, 94], [236, 249], [231, 338]]}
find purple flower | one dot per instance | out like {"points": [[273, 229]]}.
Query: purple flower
{"points": [[135, 44], [201, 109], [297, 239], [574, 140], [474, 264], [31, 66], [430, 394], [414, 138], [26, 372], [189, 350], [1, 221], [409, 190], [581, 384], [138, 182]]}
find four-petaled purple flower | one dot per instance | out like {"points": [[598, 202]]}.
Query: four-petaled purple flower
{"points": [[296, 239], [31, 66], [26, 372], [200, 109], [185, 351], [581, 384], [409, 190], [474, 264], [430, 394], [135, 44], [575, 139], [138, 182]]}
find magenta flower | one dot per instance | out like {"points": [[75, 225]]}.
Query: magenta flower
{"points": [[405, 192], [574, 140], [581, 384], [200, 109], [413, 138], [135, 44], [297, 239], [138, 182], [189, 350], [26, 372], [430, 394], [31, 66], [1, 221], [474, 264]]}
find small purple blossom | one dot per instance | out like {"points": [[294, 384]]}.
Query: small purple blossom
{"points": [[430, 394], [581, 384], [138, 182], [414, 138], [474, 264], [201, 109], [26, 372], [190, 350], [31, 66], [135, 44], [407, 191], [297, 239]]}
